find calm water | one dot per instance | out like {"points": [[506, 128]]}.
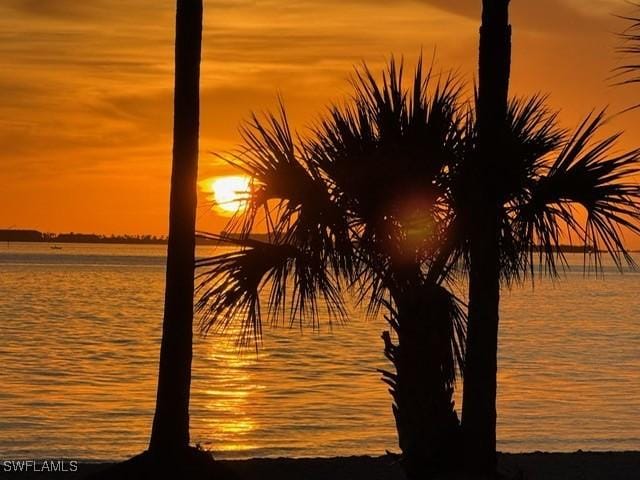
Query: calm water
{"points": [[79, 350]]}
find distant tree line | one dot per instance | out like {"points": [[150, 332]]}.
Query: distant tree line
{"points": [[72, 237], [15, 235]]}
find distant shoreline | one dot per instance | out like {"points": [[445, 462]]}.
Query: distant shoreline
{"points": [[532, 466], [35, 236]]}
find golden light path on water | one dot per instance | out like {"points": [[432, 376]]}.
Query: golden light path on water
{"points": [[80, 347]]}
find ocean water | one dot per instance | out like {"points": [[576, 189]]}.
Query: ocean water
{"points": [[80, 341]]}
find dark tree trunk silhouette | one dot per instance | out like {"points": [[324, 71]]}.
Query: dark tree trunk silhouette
{"points": [[479, 397], [170, 432], [423, 407]]}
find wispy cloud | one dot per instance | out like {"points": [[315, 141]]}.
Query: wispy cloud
{"points": [[86, 86]]}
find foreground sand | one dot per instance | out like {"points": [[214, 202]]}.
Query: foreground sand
{"points": [[531, 466]]}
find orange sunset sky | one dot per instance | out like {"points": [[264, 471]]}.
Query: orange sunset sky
{"points": [[86, 86]]}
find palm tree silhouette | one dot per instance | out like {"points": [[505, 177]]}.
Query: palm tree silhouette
{"points": [[527, 181], [364, 204], [170, 432], [169, 454], [554, 187], [480, 384], [380, 200]]}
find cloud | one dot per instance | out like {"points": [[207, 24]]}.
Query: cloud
{"points": [[58, 9], [539, 15]]}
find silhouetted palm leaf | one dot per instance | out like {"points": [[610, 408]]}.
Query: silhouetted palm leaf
{"points": [[629, 73], [289, 194], [230, 285], [586, 173], [532, 138], [387, 157]]}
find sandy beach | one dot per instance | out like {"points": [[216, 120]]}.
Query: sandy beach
{"points": [[528, 466]]}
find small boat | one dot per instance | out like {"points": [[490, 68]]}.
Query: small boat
{"points": [[55, 247]]}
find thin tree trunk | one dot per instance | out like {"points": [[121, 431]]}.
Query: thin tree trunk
{"points": [[170, 432], [480, 379]]}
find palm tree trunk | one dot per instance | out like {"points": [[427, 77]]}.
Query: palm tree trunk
{"points": [[170, 432], [480, 382], [426, 421]]}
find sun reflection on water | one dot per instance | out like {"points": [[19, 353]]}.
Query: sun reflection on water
{"points": [[228, 422]]}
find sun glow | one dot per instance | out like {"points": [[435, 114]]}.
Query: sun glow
{"points": [[229, 193]]}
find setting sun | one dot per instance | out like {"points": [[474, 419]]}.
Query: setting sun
{"points": [[229, 193]]}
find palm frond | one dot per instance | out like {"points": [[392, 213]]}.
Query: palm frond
{"points": [[387, 156], [533, 135], [271, 158], [229, 288], [453, 329], [589, 174], [531, 138], [629, 72], [289, 193]]}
